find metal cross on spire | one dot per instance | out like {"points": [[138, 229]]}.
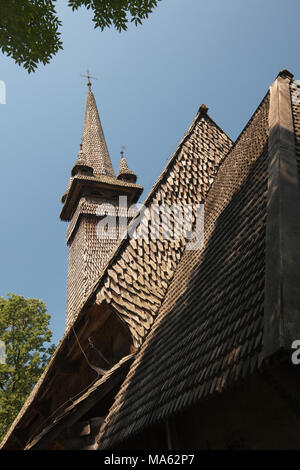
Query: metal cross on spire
{"points": [[88, 76]]}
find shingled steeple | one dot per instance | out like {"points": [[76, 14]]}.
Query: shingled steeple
{"points": [[93, 140], [94, 165], [125, 174], [92, 183]]}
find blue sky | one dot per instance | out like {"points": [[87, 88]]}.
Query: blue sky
{"points": [[152, 80]]}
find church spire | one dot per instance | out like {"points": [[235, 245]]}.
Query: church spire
{"points": [[93, 141], [93, 172]]}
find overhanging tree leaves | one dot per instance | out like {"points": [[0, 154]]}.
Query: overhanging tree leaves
{"points": [[114, 12], [25, 333], [29, 31], [29, 28]]}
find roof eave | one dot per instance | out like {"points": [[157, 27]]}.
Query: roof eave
{"points": [[78, 187]]}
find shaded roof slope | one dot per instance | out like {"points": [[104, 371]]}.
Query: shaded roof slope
{"points": [[209, 329]]}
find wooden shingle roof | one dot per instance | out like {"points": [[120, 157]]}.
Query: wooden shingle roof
{"points": [[209, 328], [235, 302], [202, 320], [138, 275]]}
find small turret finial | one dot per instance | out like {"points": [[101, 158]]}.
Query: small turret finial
{"points": [[122, 151]]}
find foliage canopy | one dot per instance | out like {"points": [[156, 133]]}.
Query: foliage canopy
{"points": [[29, 29]]}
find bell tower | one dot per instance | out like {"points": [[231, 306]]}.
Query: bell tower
{"points": [[92, 184]]}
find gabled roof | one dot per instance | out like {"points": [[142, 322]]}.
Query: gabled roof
{"points": [[140, 271], [235, 302]]}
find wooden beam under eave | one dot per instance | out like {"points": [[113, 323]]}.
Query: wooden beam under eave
{"points": [[94, 317], [47, 436], [282, 272]]}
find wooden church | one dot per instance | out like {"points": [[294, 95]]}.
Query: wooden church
{"points": [[174, 348]]}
